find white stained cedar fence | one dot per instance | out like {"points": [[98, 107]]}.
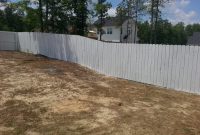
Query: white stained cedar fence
{"points": [[171, 66]]}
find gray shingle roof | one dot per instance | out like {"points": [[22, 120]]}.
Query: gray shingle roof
{"points": [[194, 39], [110, 21]]}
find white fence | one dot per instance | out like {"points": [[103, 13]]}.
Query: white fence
{"points": [[8, 41], [171, 66]]}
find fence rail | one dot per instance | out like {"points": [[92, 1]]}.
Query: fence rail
{"points": [[171, 66]]}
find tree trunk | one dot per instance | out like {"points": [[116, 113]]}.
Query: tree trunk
{"points": [[136, 19], [156, 21], [101, 25], [135, 31], [152, 20], [53, 16], [121, 34], [46, 16], [41, 16]]}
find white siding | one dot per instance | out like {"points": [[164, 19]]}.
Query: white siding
{"points": [[114, 37], [131, 36], [117, 36]]}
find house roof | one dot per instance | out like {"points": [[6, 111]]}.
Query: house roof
{"points": [[194, 39], [109, 21]]}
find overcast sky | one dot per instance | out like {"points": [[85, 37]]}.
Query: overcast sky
{"points": [[187, 11]]}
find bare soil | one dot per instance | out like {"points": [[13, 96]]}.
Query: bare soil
{"points": [[41, 96]]}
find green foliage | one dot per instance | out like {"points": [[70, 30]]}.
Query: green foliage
{"points": [[60, 15], [144, 32], [13, 19], [167, 33], [132, 8], [101, 9], [80, 16], [121, 13], [32, 20], [70, 16], [190, 29], [158, 31], [57, 16], [18, 17], [3, 25]]}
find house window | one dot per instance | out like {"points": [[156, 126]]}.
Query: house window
{"points": [[109, 30]]}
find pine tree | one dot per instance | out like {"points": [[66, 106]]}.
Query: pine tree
{"points": [[101, 9], [131, 9]]}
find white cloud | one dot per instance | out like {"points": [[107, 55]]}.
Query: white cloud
{"points": [[176, 12], [186, 17], [112, 12], [184, 3], [2, 6]]}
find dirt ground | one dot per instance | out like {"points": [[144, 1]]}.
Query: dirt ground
{"points": [[39, 96]]}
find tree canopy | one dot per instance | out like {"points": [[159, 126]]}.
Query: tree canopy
{"points": [[71, 17], [101, 10], [57, 16]]}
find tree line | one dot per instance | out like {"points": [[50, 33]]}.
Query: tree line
{"points": [[167, 33], [156, 30], [56, 16], [73, 17]]}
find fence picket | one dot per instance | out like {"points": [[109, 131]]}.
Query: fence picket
{"points": [[171, 66]]}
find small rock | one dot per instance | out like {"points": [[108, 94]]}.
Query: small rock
{"points": [[120, 104]]}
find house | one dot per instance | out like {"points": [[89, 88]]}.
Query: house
{"points": [[194, 39], [112, 31]]}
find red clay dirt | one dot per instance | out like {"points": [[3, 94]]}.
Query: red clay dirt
{"points": [[40, 96]]}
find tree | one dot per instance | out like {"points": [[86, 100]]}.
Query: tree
{"points": [[189, 30], [3, 3], [166, 33], [80, 16], [46, 15], [57, 15], [101, 9], [41, 15], [32, 20], [181, 36], [14, 17], [121, 15], [65, 16], [3, 25], [30, 17], [143, 33], [155, 15], [131, 9]]}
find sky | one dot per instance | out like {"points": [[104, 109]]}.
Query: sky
{"points": [[187, 11]]}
